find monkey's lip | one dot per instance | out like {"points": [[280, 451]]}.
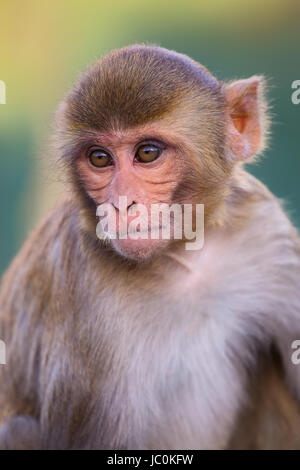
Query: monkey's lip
{"points": [[149, 230], [138, 248]]}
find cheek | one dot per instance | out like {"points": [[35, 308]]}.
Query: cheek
{"points": [[95, 183], [160, 183]]}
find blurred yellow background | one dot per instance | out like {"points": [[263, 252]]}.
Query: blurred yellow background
{"points": [[45, 44]]}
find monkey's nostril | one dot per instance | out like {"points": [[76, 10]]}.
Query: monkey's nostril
{"points": [[131, 205], [123, 205]]}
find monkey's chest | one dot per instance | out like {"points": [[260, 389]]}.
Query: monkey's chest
{"points": [[178, 386]]}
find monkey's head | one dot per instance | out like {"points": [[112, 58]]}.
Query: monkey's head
{"points": [[154, 126]]}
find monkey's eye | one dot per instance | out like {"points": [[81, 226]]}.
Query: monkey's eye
{"points": [[100, 158], [147, 153]]}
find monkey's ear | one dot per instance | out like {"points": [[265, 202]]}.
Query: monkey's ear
{"points": [[245, 117]]}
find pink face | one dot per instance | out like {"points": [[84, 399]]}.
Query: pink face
{"points": [[143, 167]]}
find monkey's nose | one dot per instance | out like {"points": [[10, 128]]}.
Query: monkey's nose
{"points": [[123, 203], [131, 205]]}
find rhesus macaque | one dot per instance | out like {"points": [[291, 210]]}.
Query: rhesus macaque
{"points": [[140, 343]]}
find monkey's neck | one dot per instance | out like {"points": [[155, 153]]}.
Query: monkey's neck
{"points": [[181, 261]]}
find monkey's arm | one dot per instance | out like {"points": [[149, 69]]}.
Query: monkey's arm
{"points": [[271, 419], [29, 308], [20, 433], [288, 315]]}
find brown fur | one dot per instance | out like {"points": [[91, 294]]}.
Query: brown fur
{"points": [[271, 420], [107, 352]]}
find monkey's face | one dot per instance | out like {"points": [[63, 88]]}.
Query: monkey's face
{"points": [[140, 166], [144, 124]]}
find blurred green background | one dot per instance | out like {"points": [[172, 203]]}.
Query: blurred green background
{"points": [[44, 44]]}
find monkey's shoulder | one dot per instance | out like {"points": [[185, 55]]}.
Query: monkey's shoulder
{"points": [[257, 214], [250, 262], [35, 266]]}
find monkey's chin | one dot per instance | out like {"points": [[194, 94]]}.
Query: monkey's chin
{"points": [[139, 250]]}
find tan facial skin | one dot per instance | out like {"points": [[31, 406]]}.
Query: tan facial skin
{"points": [[141, 182]]}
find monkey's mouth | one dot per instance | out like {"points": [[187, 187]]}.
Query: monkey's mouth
{"points": [[137, 232], [160, 232], [139, 248], [149, 230]]}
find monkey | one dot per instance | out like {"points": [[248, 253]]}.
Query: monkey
{"points": [[271, 418], [124, 343]]}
